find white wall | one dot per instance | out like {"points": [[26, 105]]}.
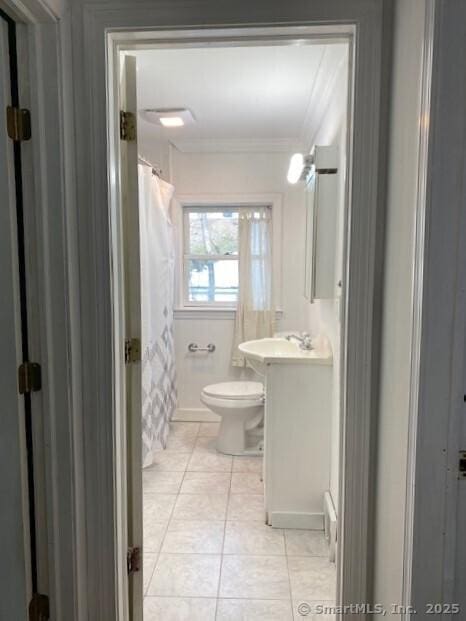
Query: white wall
{"points": [[397, 319], [238, 173], [332, 131]]}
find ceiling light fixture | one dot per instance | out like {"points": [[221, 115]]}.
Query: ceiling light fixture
{"points": [[168, 117], [171, 121]]}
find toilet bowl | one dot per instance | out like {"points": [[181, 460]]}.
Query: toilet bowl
{"points": [[240, 405]]}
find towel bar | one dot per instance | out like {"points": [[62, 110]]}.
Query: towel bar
{"points": [[194, 347]]}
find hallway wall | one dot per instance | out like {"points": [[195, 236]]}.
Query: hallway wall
{"points": [[398, 295]]}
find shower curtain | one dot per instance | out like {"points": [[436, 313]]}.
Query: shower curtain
{"points": [[157, 297]]}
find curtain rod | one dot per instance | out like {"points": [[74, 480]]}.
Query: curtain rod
{"points": [[156, 170]]}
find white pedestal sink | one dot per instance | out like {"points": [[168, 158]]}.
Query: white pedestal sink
{"points": [[298, 385]]}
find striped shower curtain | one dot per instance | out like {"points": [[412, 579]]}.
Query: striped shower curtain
{"points": [[157, 297]]}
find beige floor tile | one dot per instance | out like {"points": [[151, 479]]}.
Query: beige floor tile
{"points": [[254, 610], [206, 483], [194, 536], [254, 577], [253, 538], [247, 464], [170, 461], [148, 567], [158, 507], [246, 507], [180, 444], [305, 543], [312, 578], [161, 482], [200, 507], [188, 430], [313, 611], [209, 429], [154, 532], [186, 575], [246, 483], [206, 444], [209, 462], [179, 609]]}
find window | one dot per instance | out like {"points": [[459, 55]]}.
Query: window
{"points": [[208, 235], [211, 256]]}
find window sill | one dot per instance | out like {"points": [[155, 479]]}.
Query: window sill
{"points": [[200, 312]]}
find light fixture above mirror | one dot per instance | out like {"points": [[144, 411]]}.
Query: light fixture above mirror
{"points": [[299, 167]]}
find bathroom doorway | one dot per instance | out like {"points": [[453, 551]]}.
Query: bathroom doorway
{"points": [[241, 153], [236, 308]]}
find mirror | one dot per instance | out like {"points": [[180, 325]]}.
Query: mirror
{"points": [[321, 203]]}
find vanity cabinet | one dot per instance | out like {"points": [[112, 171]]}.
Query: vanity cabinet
{"points": [[321, 200], [297, 442]]}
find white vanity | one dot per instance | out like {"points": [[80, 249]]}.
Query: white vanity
{"points": [[298, 388]]}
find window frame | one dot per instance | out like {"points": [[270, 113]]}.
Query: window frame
{"points": [[216, 310], [188, 256]]}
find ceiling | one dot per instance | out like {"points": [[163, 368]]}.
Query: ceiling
{"points": [[241, 97]]}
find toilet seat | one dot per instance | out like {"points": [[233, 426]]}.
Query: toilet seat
{"points": [[230, 404], [239, 390]]}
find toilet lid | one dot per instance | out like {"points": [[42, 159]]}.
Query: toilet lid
{"points": [[235, 390]]}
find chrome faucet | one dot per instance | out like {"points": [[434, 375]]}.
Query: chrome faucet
{"points": [[305, 341]]}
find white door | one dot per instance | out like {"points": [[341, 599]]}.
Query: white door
{"points": [[132, 323], [14, 523]]}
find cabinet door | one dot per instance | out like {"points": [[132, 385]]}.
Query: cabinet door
{"points": [[325, 226], [321, 225], [310, 245]]}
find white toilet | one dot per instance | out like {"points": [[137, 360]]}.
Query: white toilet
{"points": [[241, 406]]}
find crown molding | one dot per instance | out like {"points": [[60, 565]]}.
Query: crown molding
{"points": [[238, 145]]}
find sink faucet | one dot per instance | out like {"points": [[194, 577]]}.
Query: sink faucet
{"points": [[305, 341]]}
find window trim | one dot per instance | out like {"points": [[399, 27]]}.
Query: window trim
{"points": [[186, 203], [187, 256]]}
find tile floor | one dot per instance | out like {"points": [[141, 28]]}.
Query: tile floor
{"points": [[208, 554]]}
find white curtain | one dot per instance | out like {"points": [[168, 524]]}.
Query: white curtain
{"points": [[157, 298], [255, 314]]}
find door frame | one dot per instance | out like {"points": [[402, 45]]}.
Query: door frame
{"points": [[48, 233], [73, 230], [437, 407], [105, 31], [126, 42]]}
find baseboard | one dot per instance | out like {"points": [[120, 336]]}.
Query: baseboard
{"points": [[195, 415], [308, 521], [330, 522]]}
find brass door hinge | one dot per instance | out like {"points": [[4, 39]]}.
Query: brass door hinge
{"points": [[462, 465], [132, 350], [39, 609], [127, 126], [18, 121], [134, 560], [29, 377]]}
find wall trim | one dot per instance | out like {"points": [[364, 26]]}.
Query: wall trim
{"points": [[437, 554], [239, 145], [418, 273], [196, 415], [286, 519]]}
